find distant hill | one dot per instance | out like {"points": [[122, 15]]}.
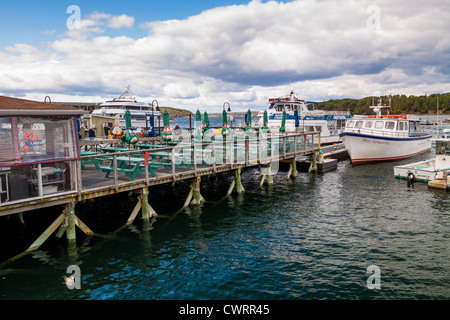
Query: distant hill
{"points": [[174, 112], [400, 104]]}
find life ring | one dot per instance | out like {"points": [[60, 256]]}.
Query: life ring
{"points": [[411, 177]]}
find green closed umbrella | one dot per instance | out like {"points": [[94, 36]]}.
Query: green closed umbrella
{"points": [[129, 137], [167, 133], [205, 123], [225, 130], [265, 128], [283, 122], [248, 128], [198, 133]]}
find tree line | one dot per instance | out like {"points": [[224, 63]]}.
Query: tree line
{"points": [[400, 104]]}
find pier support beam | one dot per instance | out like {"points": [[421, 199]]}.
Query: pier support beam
{"points": [[239, 186], [269, 174], [266, 174], [292, 170], [196, 195], [47, 233], [147, 210], [70, 222], [189, 198], [313, 166], [230, 189], [142, 204]]}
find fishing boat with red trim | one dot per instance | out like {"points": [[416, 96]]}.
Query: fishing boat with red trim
{"points": [[384, 137]]}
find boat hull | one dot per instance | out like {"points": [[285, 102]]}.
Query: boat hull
{"points": [[367, 148], [423, 171]]}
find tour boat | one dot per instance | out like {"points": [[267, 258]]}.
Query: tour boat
{"points": [[384, 137], [430, 169], [140, 111], [299, 118]]}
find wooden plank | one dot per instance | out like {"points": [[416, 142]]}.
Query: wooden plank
{"points": [[47, 233]]}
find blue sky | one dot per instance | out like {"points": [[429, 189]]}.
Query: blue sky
{"points": [[199, 54], [24, 21]]}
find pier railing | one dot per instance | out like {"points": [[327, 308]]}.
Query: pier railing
{"points": [[109, 169]]}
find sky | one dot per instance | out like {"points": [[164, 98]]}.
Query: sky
{"points": [[201, 54]]}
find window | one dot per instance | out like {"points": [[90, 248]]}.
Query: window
{"points": [[350, 124], [6, 141], [389, 125], [379, 124], [359, 124], [405, 126], [400, 126], [368, 124], [45, 138]]}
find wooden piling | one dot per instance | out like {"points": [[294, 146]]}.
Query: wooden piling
{"points": [[313, 166], [232, 185], [189, 198], [263, 178], [144, 203], [135, 211], [292, 169], [197, 197], [239, 186], [47, 233], [70, 221], [269, 174]]}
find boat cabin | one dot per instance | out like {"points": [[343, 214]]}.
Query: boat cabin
{"points": [[397, 126]]}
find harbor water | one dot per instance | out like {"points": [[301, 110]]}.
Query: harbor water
{"points": [[309, 238]]}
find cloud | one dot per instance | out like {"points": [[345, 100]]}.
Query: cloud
{"points": [[122, 21], [243, 54], [98, 23]]}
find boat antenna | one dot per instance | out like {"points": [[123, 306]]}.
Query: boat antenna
{"points": [[437, 118], [377, 109]]}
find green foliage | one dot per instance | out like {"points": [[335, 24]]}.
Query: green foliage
{"points": [[400, 104], [174, 112]]}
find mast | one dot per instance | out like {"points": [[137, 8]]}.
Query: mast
{"points": [[437, 118]]}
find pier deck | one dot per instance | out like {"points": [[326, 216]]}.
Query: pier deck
{"points": [[105, 172]]}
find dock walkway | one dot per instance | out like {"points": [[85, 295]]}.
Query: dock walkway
{"points": [[98, 173]]}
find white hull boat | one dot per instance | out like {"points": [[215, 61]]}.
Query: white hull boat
{"points": [[384, 138], [298, 118], [140, 111], [428, 170]]}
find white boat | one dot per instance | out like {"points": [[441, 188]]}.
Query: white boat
{"points": [[299, 118], [384, 137], [431, 169], [138, 110]]}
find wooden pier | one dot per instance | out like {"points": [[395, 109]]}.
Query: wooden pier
{"points": [[109, 169]]}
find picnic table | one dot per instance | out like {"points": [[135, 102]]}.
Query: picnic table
{"points": [[150, 146], [131, 166], [93, 160], [114, 149], [163, 158]]}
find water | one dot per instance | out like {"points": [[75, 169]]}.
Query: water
{"points": [[304, 239]]}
